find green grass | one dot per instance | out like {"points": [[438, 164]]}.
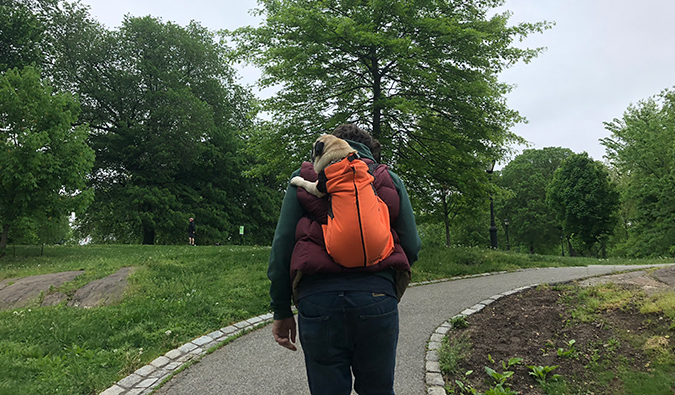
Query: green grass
{"points": [[443, 262], [176, 294], [452, 352]]}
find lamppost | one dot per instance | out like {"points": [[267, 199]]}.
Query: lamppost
{"points": [[493, 226], [506, 230]]}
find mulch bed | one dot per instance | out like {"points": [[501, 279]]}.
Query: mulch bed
{"points": [[532, 325]]}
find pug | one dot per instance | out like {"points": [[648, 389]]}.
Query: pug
{"points": [[327, 150]]}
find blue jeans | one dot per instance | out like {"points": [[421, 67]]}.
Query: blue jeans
{"points": [[345, 332]]}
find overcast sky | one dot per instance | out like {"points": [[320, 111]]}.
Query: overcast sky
{"points": [[602, 56]]}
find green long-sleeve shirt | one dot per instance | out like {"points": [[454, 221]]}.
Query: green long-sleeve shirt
{"points": [[284, 238]]}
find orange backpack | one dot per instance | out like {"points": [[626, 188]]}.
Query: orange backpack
{"points": [[358, 231]]}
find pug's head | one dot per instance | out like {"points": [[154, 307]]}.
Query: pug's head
{"points": [[327, 149]]}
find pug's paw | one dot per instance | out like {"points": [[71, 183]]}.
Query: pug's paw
{"points": [[297, 181]]}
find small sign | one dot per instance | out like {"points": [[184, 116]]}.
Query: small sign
{"points": [[241, 230]]}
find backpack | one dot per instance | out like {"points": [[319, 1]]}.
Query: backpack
{"points": [[357, 233]]}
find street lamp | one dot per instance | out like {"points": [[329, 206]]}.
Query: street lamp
{"points": [[493, 226], [506, 230]]}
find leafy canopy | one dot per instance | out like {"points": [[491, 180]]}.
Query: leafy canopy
{"points": [[584, 200], [44, 160], [642, 150], [526, 178], [420, 75], [167, 117]]}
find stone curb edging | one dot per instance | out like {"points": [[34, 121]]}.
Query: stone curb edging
{"points": [[443, 280], [144, 380], [434, 377]]}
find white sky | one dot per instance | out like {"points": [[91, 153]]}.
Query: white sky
{"points": [[602, 55]]}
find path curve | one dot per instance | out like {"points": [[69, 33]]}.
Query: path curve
{"points": [[255, 364]]}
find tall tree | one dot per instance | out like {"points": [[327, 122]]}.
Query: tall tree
{"points": [[21, 35], [44, 160], [526, 177], [584, 201], [408, 71], [641, 150], [166, 117]]}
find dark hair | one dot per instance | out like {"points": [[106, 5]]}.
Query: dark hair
{"points": [[349, 131]]}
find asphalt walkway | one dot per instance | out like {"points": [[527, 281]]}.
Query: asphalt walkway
{"points": [[255, 364]]}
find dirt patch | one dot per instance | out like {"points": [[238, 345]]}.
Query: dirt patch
{"points": [[535, 323], [17, 293]]}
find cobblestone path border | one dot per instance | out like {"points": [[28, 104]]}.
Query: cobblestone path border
{"points": [[147, 378], [434, 377]]}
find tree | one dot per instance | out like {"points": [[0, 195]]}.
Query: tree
{"points": [[411, 72], [21, 34], [43, 159], [641, 150], [167, 118], [584, 201], [526, 177], [449, 183]]}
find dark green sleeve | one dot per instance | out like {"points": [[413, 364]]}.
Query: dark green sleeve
{"points": [[278, 270], [405, 224]]}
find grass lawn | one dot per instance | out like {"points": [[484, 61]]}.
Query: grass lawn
{"points": [[176, 294]]}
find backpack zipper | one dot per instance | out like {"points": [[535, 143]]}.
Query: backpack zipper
{"points": [[358, 212]]}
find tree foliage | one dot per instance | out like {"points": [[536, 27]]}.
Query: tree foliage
{"points": [[642, 150], [44, 160], [166, 116], [584, 201], [21, 35], [526, 177], [420, 75]]}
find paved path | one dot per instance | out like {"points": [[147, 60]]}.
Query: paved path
{"points": [[254, 364]]}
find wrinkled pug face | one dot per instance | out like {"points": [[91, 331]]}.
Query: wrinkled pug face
{"points": [[327, 149]]}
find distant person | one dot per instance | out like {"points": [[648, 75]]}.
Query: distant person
{"points": [[192, 229]]}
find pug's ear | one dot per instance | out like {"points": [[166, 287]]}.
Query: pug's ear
{"points": [[318, 148]]}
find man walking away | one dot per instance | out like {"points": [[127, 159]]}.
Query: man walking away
{"points": [[348, 318]]}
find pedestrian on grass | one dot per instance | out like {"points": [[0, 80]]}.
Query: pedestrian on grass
{"points": [[192, 230], [360, 306]]}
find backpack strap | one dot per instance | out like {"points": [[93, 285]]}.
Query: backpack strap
{"points": [[321, 185], [372, 167], [371, 164]]}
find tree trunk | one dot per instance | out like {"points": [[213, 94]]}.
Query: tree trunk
{"points": [[446, 217], [573, 252], [377, 94], [3, 237], [447, 232], [148, 236]]}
